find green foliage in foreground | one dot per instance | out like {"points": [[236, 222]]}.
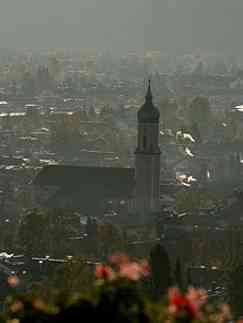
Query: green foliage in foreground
{"points": [[121, 301], [117, 295]]}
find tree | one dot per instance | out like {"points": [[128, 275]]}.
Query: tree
{"points": [[236, 290], [168, 111], [199, 69], [178, 274], [196, 133], [54, 68], [28, 84], [188, 201], [74, 276], [109, 239], [43, 79], [44, 232], [65, 136], [220, 68], [160, 270], [199, 112], [32, 232], [92, 113]]}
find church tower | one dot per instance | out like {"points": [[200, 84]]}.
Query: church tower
{"points": [[147, 158]]}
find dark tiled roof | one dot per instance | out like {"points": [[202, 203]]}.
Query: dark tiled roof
{"points": [[83, 200], [102, 181]]}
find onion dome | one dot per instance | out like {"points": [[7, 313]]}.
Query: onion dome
{"points": [[148, 113]]}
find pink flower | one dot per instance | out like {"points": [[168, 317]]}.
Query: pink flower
{"points": [[145, 268], [131, 271], [13, 281], [38, 304], [188, 304], [197, 296], [119, 259], [172, 293], [17, 307], [172, 309], [225, 313], [104, 272]]}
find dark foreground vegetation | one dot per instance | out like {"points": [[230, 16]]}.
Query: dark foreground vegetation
{"points": [[122, 291]]}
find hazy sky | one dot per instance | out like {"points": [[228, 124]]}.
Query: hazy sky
{"points": [[122, 24]]}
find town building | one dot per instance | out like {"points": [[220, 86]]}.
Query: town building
{"points": [[87, 188], [147, 158]]}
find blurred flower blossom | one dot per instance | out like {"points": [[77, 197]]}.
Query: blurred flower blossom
{"points": [[131, 270], [224, 314], [124, 268], [197, 296], [17, 306], [186, 305], [145, 268], [104, 272], [13, 281], [119, 259], [14, 321], [134, 270], [38, 304]]}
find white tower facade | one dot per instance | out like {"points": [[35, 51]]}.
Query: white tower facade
{"points": [[147, 158]]}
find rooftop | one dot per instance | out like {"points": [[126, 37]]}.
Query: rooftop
{"points": [[102, 181]]}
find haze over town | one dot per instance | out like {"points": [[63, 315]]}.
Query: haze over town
{"points": [[127, 25], [121, 160]]}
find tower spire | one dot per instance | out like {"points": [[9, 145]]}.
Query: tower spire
{"points": [[149, 96], [147, 160], [148, 113]]}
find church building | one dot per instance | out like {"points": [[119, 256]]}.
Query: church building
{"points": [[87, 188]]}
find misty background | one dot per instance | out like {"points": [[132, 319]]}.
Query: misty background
{"points": [[123, 25]]}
